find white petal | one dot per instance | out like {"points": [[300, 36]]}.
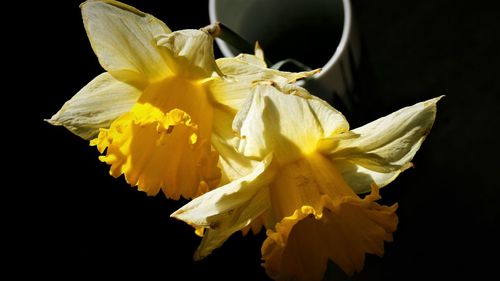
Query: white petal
{"points": [[284, 123], [190, 52], [378, 151], [123, 39], [95, 106], [229, 208]]}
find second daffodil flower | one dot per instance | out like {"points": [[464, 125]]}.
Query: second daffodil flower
{"points": [[162, 109], [304, 187]]}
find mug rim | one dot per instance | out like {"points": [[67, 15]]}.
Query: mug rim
{"points": [[339, 51]]}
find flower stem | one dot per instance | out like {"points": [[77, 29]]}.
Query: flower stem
{"points": [[223, 32], [234, 39], [219, 30]]}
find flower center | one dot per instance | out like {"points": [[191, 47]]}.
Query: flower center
{"points": [[319, 218], [304, 182], [164, 141]]}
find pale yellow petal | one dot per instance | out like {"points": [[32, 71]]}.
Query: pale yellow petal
{"points": [[360, 177], [259, 53], [224, 140], [258, 223], [190, 53], [243, 216], [228, 208], [95, 106], [252, 59], [275, 119], [379, 151], [213, 207], [123, 39], [252, 66], [241, 72]]}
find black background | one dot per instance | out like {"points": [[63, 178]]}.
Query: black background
{"points": [[66, 217]]}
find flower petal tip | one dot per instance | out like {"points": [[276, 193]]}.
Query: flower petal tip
{"points": [[52, 121], [177, 214], [197, 256]]}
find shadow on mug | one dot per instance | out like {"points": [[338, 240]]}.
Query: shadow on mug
{"points": [[318, 33]]}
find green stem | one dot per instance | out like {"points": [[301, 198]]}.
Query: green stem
{"points": [[235, 40], [223, 32], [219, 30]]}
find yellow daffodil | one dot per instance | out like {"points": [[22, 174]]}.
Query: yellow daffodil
{"points": [[162, 111], [303, 189]]}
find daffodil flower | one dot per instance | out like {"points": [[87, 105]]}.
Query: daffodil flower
{"points": [[304, 189], [163, 109]]}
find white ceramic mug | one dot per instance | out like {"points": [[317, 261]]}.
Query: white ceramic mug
{"points": [[319, 33]]}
